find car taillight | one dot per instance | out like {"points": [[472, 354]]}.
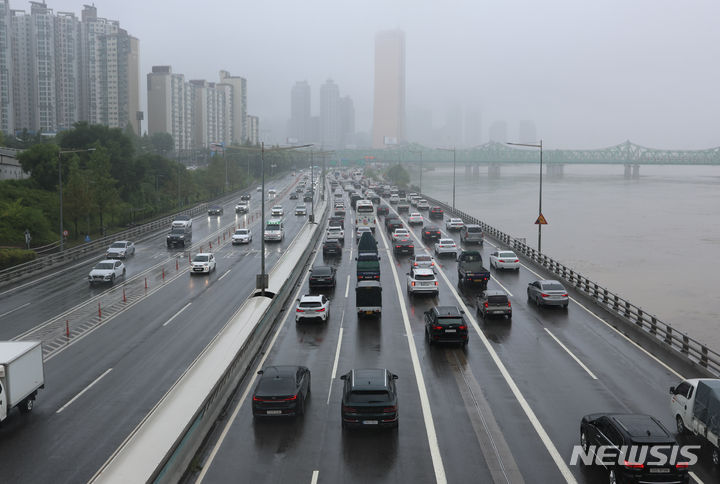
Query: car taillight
{"points": [[256, 399], [298, 310], [544, 295], [290, 398], [415, 264], [389, 409], [517, 260], [348, 409], [485, 304], [682, 465], [565, 295], [633, 465], [436, 283], [320, 310], [500, 260], [462, 326], [397, 246], [432, 263], [509, 304], [437, 328], [411, 246]]}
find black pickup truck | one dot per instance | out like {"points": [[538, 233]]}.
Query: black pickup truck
{"points": [[471, 270]]}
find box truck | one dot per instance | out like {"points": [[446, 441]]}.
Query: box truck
{"points": [[21, 375], [695, 404]]}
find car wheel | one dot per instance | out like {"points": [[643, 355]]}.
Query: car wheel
{"points": [[584, 441], [27, 405], [309, 391], [681, 429], [428, 338], [112, 279], [612, 477], [123, 272], [715, 456]]}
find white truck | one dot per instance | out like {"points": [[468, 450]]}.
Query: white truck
{"points": [[695, 404], [21, 375]]}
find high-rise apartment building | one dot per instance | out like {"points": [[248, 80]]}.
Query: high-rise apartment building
{"points": [[239, 106], [330, 114], [170, 106], [389, 103], [299, 126], [212, 113], [347, 122], [56, 70], [7, 115], [253, 124]]}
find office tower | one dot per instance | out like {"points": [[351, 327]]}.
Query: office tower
{"points": [[299, 125], [389, 103], [170, 106], [498, 132], [238, 112], [527, 132], [7, 116], [329, 114], [253, 124], [347, 122]]}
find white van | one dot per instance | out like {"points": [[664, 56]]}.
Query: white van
{"points": [[695, 405]]}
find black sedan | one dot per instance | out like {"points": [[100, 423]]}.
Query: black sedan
{"points": [[383, 210], [293, 196], [215, 210], [431, 233], [392, 223], [369, 399], [281, 391], [332, 247], [404, 246], [322, 276]]}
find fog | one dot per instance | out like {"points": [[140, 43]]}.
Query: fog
{"points": [[588, 74]]}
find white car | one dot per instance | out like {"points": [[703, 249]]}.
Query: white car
{"points": [[423, 261], [242, 236], [423, 205], [399, 234], [415, 219], [446, 246], [454, 224], [242, 207], [277, 211], [360, 231], [394, 199], [301, 209], [422, 281], [181, 221], [336, 232], [204, 262], [120, 250], [504, 259], [106, 271], [258, 189], [309, 307]]}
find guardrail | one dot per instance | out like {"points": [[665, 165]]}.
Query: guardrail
{"points": [[162, 446], [659, 331]]}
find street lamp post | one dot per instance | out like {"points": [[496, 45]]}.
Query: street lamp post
{"points": [[539, 145], [60, 153]]}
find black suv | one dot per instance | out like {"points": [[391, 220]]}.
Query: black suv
{"points": [[383, 209], [446, 324], [332, 247], [404, 246], [608, 434], [322, 276], [431, 233], [181, 236], [369, 398], [392, 223], [493, 303], [215, 210]]}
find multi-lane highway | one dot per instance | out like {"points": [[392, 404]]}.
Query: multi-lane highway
{"points": [[118, 363], [507, 408]]}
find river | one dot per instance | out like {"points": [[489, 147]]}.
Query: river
{"points": [[654, 240]]}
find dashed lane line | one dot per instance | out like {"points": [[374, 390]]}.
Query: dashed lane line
{"points": [[59, 410], [177, 314], [577, 360]]}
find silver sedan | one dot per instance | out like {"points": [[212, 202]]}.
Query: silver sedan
{"points": [[548, 293]]}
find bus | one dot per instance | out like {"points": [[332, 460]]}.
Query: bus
{"points": [[365, 214], [274, 230]]}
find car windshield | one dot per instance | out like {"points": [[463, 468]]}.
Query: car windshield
{"points": [[423, 258], [447, 242], [177, 231], [118, 245], [272, 226], [373, 396], [450, 320], [311, 304], [201, 258], [553, 286], [105, 265], [367, 264], [497, 299], [241, 232], [321, 271], [474, 230], [510, 255], [471, 258], [424, 277], [276, 385]]}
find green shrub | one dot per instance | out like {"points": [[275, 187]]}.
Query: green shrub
{"points": [[13, 257]]}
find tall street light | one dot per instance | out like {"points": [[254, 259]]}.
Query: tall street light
{"points": [[261, 280], [454, 153], [540, 220], [312, 179], [60, 153]]}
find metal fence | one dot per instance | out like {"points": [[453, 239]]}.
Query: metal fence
{"points": [[661, 332]]}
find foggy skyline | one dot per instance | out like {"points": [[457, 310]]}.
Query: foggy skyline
{"points": [[587, 75]]}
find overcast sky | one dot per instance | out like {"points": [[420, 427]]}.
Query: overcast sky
{"points": [[589, 74]]}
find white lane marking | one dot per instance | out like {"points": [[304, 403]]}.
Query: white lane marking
{"points": [[335, 363], [314, 477], [534, 421], [500, 284], [28, 304], [695, 477], [176, 314], [577, 360], [616, 331], [351, 251], [438, 466], [84, 390], [347, 286], [251, 383], [225, 274]]}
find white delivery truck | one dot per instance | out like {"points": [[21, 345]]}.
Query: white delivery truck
{"points": [[695, 404], [21, 375]]}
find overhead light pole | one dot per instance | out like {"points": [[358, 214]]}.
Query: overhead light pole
{"points": [[60, 153], [540, 220]]}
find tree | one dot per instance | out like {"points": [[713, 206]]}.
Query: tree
{"points": [[15, 217], [41, 161], [77, 198], [103, 189], [398, 175]]}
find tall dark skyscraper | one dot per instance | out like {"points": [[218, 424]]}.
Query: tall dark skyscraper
{"points": [[330, 114], [299, 127]]}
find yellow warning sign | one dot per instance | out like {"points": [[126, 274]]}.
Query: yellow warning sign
{"points": [[541, 220]]}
